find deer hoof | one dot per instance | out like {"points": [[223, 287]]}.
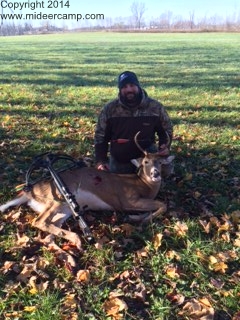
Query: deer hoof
{"points": [[138, 217]]}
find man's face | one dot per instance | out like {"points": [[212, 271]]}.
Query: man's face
{"points": [[130, 92]]}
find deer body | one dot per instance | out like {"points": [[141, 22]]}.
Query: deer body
{"points": [[95, 190], [124, 192]]}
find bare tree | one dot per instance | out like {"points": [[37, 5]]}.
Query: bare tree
{"points": [[191, 19], [138, 9]]}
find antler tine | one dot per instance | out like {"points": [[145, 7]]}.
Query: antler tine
{"points": [[137, 144], [167, 144], [168, 139]]}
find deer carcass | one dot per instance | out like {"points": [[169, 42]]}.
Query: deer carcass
{"points": [[96, 190]]}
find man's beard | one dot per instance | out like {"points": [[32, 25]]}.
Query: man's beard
{"points": [[132, 98]]}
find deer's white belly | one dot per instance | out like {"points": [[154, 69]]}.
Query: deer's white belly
{"points": [[36, 205], [87, 200]]}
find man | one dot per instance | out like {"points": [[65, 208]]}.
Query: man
{"points": [[119, 121]]}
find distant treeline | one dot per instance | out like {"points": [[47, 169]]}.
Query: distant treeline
{"points": [[11, 29]]}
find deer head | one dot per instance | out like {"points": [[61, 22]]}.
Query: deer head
{"points": [[149, 166]]}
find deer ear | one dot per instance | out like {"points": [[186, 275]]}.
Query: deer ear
{"points": [[137, 162], [167, 160]]}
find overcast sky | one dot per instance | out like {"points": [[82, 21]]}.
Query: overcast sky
{"points": [[154, 8], [112, 9]]}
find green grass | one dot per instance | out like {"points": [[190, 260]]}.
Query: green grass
{"points": [[52, 88]]}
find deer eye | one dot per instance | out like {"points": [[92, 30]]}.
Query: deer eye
{"points": [[146, 162]]}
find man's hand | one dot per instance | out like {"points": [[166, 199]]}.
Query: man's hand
{"points": [[163, 151], [102, 166]]}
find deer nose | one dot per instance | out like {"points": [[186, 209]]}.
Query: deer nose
{"points": [[155, 173]]}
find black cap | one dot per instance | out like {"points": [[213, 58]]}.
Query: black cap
{"points": [[127, 77]]}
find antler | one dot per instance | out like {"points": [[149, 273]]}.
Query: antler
{"points": [[144, 151], [137, 144], [168, 139]]}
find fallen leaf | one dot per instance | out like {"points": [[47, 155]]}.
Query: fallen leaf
{"points": [[206, 225], [142, 253], [70, 301], [22, 240], [157, 240], [25, 273], [205, 302], [188, 177], [198, 309], [219, 267], [181, 228], [172, 272], [236, 316], [114, 308], [217, 283], [83, 276], [30, 308], [172, 254], [226, 226], [175, 298], [128, 229], [235, 216]]}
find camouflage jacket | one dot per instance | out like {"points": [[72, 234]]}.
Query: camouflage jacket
{"points": [[118, 124]]}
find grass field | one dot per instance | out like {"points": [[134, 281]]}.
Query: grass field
{"points": [[184, 265]]}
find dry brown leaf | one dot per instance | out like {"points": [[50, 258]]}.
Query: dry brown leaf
{"points": [[13, 216], [175, 298], [70, 301], [198, 309], [236, 316], [227, 255], [172, 254], [226, 226], [125, 275], [142, 253], [197, 194], [235, 277], [36, 287], [206, 225], [235, 216], [114, 308], [13, 315], [22, 240], [157, 240], [172, 272], [26, 273], [236, 243], [219, 267], [188, 176], [128, 229], [140, 292], [217, 283], [204, 301], [215, 221], [213, 260], [226, 237], [83, 276], [7, 266], [181, 228], [115, 294], [30, 308], [204, 259]]}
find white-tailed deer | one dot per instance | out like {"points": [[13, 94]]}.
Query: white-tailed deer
{"points": [[96, 190]]}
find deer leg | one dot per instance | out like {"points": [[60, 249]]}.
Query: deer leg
{"points": [[147, 205], [44, 222], [152, 216]]}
